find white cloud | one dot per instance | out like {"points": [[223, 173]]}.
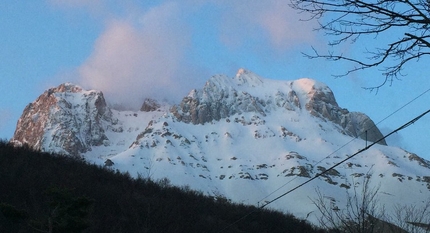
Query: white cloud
{"points": [[144, 58], [273, 20], [284, 25], [395, 139], [144, 48]]}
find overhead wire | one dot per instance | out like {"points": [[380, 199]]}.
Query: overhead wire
{"points": [[347, 143], [349, 157], [330, 168], [337, 164]]}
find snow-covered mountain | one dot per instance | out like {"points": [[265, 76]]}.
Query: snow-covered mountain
{"points": [[247, 138]]}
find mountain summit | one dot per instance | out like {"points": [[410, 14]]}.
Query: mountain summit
{"points": [[222, 97], [246, 138], [65, 119]]}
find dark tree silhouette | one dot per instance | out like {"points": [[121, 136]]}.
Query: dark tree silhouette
{"points": [[347, 21], [359, 215], [41, 192]]}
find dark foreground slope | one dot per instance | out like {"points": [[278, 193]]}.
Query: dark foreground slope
{"points": [[40, 192]]}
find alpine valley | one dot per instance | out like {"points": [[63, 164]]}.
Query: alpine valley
{"points": [[246, 138]]}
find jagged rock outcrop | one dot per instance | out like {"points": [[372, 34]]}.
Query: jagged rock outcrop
{"points": [[222, 97], [72, 120], [149, 105], [219, 99], [237, 137], [65, 117], [322, 103]]}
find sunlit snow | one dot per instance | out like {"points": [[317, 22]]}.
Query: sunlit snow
{"points": [[253, 156]]}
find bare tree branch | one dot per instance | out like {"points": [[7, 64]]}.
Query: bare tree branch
{"points": [[347, 21], [360, 213]]}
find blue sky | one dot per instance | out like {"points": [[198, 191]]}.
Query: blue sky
{"points": [[134, 49]]}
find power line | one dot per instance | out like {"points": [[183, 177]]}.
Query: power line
{"points": [[240, 219], [349, 157], [403, 106], [353, 139], [330, 168], [318, 175], [332, 153]]}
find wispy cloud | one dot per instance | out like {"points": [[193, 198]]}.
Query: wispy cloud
{"points": [[134, 59], [271, 20], [284, 25], [395, 139], [143, 49]]}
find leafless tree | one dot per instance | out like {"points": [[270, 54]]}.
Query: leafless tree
{"points": [[361, 214], [405, 23], [413, 218]]}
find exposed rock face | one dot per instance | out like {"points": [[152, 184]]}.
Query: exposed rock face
{"points": [[214, 107], [66, 117], [72, 120], [149, 105], [273, 130], [322, 104], [222, 97]]}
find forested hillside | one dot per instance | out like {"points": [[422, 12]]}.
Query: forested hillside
{"points": [[40, 192]]}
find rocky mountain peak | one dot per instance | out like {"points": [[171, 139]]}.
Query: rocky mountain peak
{"points": [[238, 137], [222, 97], [66, 117], [66, 87], [322, 103], [150, 105], [315, 91], [245, 77], [219, 98]]}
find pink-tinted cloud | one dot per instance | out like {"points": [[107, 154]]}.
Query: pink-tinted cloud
{"points": [[143, 58], [143, 50], [271, 20], [284, 26]]}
